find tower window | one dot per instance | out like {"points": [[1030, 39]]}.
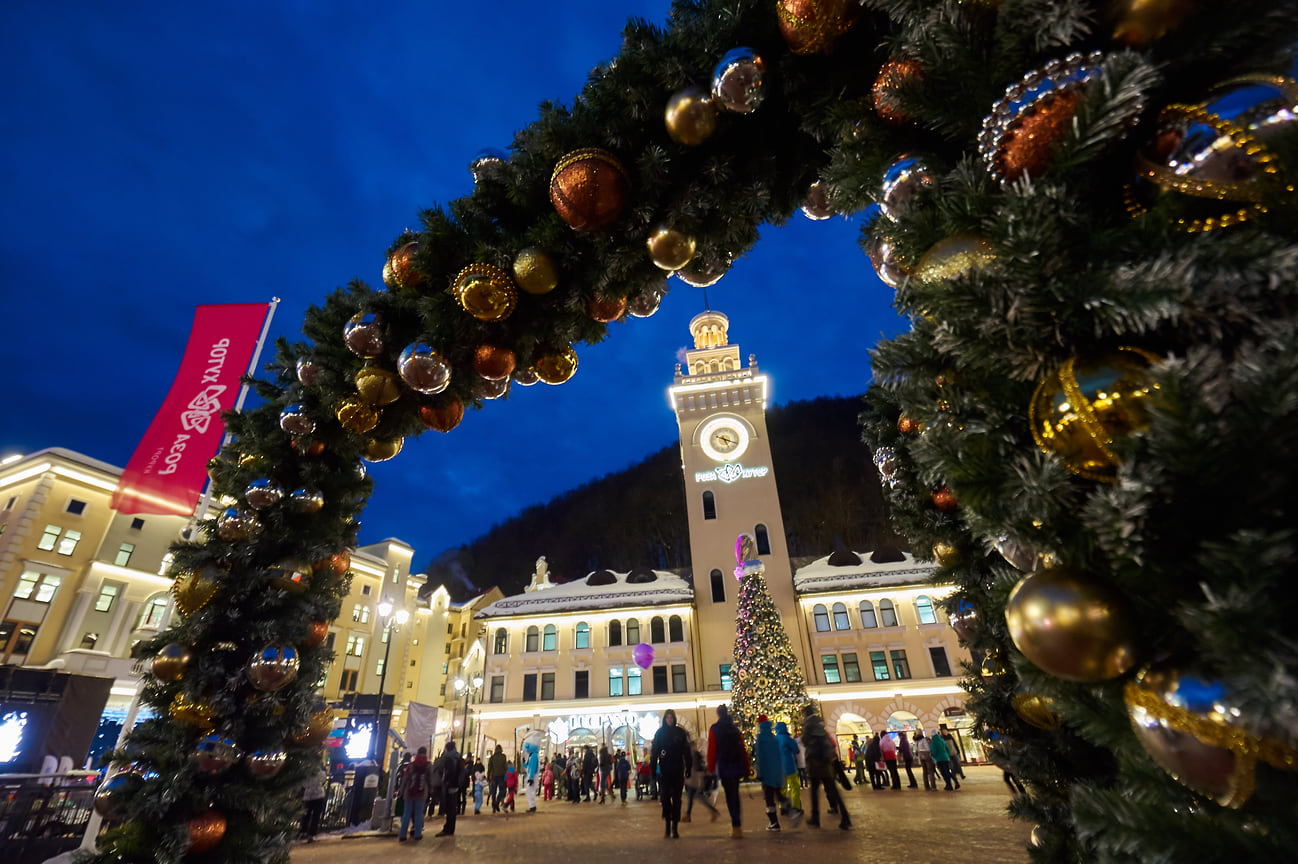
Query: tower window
{"points": [[709, 506], [718, 587], [75, 507], [763, 540]]}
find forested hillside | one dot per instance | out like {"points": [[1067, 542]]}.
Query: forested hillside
{"points": [[829, 493]]}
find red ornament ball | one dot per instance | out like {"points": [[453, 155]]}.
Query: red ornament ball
{"points": [[443, 417], [589, 189], [895, 75], [493, 362], [944, 500]]}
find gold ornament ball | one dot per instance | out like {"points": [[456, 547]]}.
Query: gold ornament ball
{"points": [[1036, 710], [193, 589], [381, 451], [812, 26], [317, 729], [169, 663], [205, 832], [254, 462], [377, 386], [954, 256], [670, 249], [197, 714], [1036, 837], [557, 368], [304, 500], [534, 272], [589, 189], [946, 554], [691, 117], [1086, 406], [1072, 625], [993, 666], [356, 416], [896, 74], [486, 292]]}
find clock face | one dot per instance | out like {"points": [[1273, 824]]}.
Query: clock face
{"points": [[723, 439]]}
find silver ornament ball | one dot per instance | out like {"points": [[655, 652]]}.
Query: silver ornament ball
{"points": [[273, 667], [263, 493], [737, 81], [295, 421], [266, 763], [488, 164], [815, 205], [214, 754], [364, 335], [309, 372], [423, 368], [904, 180]]}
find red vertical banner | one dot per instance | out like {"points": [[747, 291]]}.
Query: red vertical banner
{"points": [[167, 471]]}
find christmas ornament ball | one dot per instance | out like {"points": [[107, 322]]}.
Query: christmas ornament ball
{"points": [[444, 416], [405, 274], [558, 367], [304, 500], [489, 389], [338, 563], [266, 762], [702, 273], [273, 667], [526, 376], [606, 310], [1091, 403], [993, 665], [356, 416], [646, 303], [310, 373], [493, 362], [1036, 710], [954, 256], [364, 334], [965, 621], [691, 117], [214, 754], [944, 499], [903, 182], [908, 425], [381, 450], [815, 205], [589, 189], [485, 291], [886, 261], [191, 712], [895, 75], [423, 368], [1072, 625], [534, 272], [488, 163], [205, 832], [670, 249], [169, 664], [317, 632], [376, 385], [263, 493], [317, 729], [1020, 555], [115, 791], [812, 26], [1029, 146], [235, 525], [737, 81], [946, 554], [295, 420], [885, 459]]}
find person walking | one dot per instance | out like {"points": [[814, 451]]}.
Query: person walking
{"points": [[622, 774], [697, 783], [942, 759], [466, 781], [770, 772], [789, 754], [416, 785], [452, 772], [924, 752], [855, 757], [589, 765], [605, 771], [511, 788], [314, 792], [479, 786], [907, 756], [888, 749], [728, 760], [953, 750], [670, 760], [872, 759], [496, 771], [820, 767]]}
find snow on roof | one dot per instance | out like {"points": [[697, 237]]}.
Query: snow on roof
{"points": [[665, 589], [821, 577]]}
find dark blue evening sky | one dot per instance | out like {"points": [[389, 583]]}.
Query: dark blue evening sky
{"points": [[160, 156]]}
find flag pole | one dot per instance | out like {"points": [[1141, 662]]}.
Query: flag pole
{"points": [[206, 500]]}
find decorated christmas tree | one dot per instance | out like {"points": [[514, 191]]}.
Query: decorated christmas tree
{"points": [[1086, 210], [765, 677]]}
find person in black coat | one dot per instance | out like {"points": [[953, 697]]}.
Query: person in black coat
{"points": [[670, 761]]}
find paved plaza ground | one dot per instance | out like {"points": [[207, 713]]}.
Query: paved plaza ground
{"points": [[912, 826]]}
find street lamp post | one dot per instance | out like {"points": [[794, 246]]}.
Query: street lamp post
{"points": [[467, 688], [391, 621]]}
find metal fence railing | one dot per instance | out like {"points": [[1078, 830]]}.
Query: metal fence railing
{"points": [[43, 815]]}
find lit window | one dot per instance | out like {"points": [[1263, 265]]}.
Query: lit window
{"points": [[829, 663], [549, 638], [675, 629], [763, 540], [851, 668], [725, 676], [361, 613], [924, 610], [533, 639], [633, 681], [887, 614], [615, 681], [867, 615], [614, 633], [581, 638], [49, 537], [821, 616], [709, 506], [27, 583], [88, 641], [68, 544], [879, 662], [501, 645], [718, 587], [841, 621], [124, 554], [46, 590], [446, 667], [378, 667], [153, 612], [656, 633], [899, 664], [633, 632], [107, 594], [75, 507], [355, 645]]}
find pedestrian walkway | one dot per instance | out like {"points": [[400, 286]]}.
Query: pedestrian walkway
{"points": [[912, 826]]}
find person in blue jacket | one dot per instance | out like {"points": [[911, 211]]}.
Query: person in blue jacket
{"points": [[789, 750], [770, 771]]}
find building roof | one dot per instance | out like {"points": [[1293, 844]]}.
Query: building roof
{"points": [[858, 570], [602, 589]]}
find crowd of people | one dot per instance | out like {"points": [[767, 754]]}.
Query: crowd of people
{"points": [[677, 771]]}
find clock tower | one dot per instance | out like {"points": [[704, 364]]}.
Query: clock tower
{"points": [[730, 489]]}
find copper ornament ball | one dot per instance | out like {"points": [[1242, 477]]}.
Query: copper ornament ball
{"points": [[493, 362], [273, 667], [812, 26], [295, 420], [376, 385], [895, 75], [1029, 144], [944, 499], [338, 563], [908, 426], [606, 310], [310, 373], [534, 271], [405, 274], [691, 116], [443, 417], [589, 189], [1072, 625], [205, 832], [317, 633]]}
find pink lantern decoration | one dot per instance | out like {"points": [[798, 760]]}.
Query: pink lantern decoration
{"points": [[643, 655]]}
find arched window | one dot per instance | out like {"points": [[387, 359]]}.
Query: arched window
{"points": [[924, 610], [153, 611], [887, 614], [615, 633], [718, 586], [763, 539], [549, 638], [821, 616], [867, 615], [841, 621], [633, 632], [582, 636], [501, 645], [656, 633], [533, 638], [709, 505], [675, 629]]}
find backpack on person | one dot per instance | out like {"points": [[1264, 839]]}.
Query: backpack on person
{"points": [[418, 787]]}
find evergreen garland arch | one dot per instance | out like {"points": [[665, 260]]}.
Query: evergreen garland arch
{"points": [[1194, 540]]}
